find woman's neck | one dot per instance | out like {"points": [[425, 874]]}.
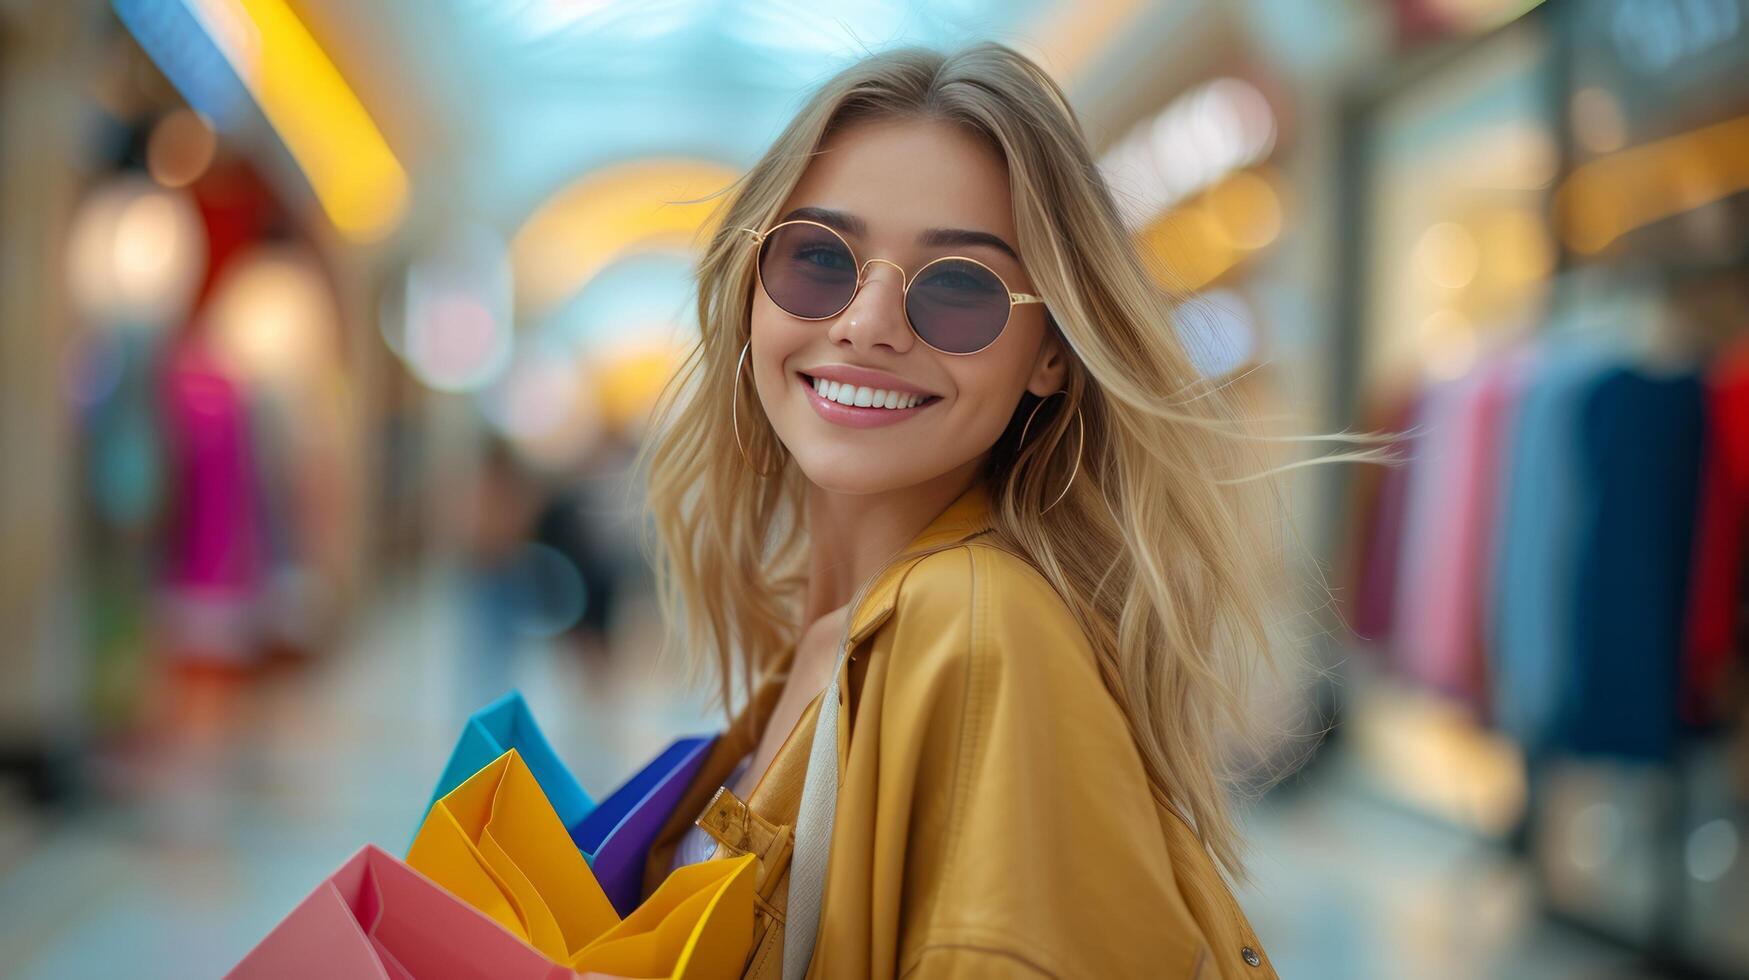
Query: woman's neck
{"points": [[851, 535]]}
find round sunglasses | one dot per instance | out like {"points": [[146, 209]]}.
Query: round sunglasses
{"points": [[956, 305]]}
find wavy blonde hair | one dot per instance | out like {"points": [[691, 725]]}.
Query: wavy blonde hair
{"points": [[1163, 547]]}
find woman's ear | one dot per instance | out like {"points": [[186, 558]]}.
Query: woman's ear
{"points": [[1050, 370]]}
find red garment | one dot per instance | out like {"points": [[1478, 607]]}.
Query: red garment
{"points": [[1721, 534], [236, 210]]}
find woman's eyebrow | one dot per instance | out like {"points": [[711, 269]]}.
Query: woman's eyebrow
{"points": [[850, 224], [843, 221], [965, 236]]}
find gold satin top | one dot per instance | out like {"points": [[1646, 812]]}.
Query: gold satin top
{"points": [[994, 818]]}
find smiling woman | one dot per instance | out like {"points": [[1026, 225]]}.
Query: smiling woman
{"points": [[991, 656]]}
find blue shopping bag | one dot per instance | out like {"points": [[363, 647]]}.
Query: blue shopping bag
{"points": [[495, 729]]}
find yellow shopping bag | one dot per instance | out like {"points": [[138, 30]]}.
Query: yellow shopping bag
{"points": [[698, 925], [496, 843]]}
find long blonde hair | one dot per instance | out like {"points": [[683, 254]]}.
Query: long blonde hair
{"points": [[1159, 547]]}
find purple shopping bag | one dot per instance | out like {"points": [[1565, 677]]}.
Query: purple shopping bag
{"points": [[616, 836]]}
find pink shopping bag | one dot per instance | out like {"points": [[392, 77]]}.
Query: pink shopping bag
{"points": [[377, 919]]}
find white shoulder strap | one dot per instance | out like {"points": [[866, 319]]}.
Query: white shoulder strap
{"points": [[813, 846]]}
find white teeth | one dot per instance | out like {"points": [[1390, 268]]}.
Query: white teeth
{"points": [[844, 394]]}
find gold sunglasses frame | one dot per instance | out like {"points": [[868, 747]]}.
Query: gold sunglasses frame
{"points": [[1014, 298]]}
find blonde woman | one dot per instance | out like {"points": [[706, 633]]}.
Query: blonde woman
{"points": [[939, 494]]}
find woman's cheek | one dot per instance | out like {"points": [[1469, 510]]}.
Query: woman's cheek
{"points": [[773, 345]]}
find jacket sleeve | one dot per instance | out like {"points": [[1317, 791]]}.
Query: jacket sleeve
{"points": [[1034, 847]]}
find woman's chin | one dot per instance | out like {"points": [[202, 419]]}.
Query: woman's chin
{"points": [[852, 474]]}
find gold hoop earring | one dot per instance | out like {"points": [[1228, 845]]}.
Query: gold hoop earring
{"points": [[735, 415], [1080, 441]]}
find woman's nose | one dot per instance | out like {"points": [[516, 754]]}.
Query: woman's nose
{"points": [[877, 313]]}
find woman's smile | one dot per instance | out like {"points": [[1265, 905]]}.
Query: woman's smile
{"points": [[861, 407]]}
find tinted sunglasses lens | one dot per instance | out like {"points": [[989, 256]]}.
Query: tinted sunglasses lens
{"points": [[807, 270], [957, 306]]}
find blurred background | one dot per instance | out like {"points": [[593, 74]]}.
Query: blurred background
{"points": [[328, 328]]}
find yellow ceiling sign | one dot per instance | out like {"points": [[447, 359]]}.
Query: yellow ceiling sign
{"points": [[583, 228], [1615, 194], [361, 186]]}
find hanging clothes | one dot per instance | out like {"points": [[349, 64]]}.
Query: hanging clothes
{"points": [[1639, 442], [1376, 505], [1721, 540], [1447, 547], [1530, 639], [215, 555]]}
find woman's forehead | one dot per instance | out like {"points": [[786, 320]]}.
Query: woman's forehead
{"points": [[901, 177]]}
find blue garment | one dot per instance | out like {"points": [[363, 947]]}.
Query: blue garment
{"points": [[1640, 448], [1532, 578]]}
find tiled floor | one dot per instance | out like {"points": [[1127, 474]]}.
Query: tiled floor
{"points": [[213, 835]]}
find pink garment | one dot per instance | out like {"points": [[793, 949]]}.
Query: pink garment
{"points": [[215, 560], [1441, 608]]}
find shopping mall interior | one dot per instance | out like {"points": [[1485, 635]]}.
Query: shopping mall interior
{"points": [[332, 328]]}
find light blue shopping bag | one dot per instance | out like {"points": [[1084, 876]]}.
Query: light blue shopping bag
{"points": [[508, 724]]}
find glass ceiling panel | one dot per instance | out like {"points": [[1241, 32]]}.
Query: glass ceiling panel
{"points": [[541, 91]]}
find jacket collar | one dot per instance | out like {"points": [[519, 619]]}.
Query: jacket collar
{"points": [[968, 515]]}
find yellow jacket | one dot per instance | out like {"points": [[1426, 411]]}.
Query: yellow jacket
{"points": [[993, 817]]}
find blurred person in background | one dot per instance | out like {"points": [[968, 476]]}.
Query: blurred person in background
{"points": [[566, 527], [503, 511], [976, 526], [537, 568]]}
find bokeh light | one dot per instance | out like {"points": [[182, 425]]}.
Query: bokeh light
{"points": [[458, 333], [181, 146], [273, 316], [1198, 138], [547, 405], [136, 252], [1447, 255]]}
